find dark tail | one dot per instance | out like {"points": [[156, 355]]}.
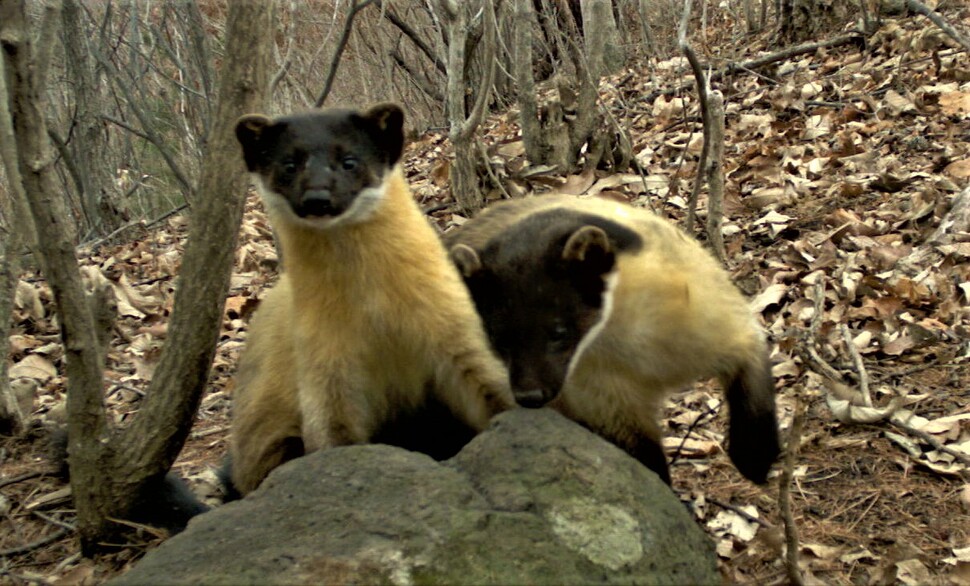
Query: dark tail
{"points": [[224, 474], [166, 501], [753, 430]]}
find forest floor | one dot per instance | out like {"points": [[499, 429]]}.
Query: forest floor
{"points": [[840, 166]]}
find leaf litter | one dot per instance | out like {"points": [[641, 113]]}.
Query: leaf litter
{"points": [[841, 169]]}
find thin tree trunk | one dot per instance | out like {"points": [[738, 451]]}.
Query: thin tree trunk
{"points": [[100, 199], [159, 432], [12, 237], [464, 176], [110, 469], [601, 38], [86, 417], [532, 137], [715, 174]]}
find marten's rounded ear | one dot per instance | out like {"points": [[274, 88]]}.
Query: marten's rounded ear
{"points": [[387, 121], [466, 259], [250, 127], [250, 130], [587, 243], [590, 256], [387, 117]]}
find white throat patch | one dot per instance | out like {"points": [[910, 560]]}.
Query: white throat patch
{"points": [[361, 209], [610, 283]]}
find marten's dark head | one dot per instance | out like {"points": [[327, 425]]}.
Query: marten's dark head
{"points": [[542, 288], [323, 167]]}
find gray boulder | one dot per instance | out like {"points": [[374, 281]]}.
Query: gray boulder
{"points": [[535, 499]]}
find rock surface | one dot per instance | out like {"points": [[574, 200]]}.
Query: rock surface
{"points": [[535, 499]]}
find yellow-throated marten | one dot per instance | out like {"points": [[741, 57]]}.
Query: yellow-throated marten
{"points": [[600, 309], [370, 320]]}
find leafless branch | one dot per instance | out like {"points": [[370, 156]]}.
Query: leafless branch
{"points": [[939, 21], [60, 533], [859, 365], [416, 78], [413, 35], [21, 478], [715, 174], [355, 8], [741, 512], [468, 127], [147, 125], [928, 438], [763, 61], [53, 521]]}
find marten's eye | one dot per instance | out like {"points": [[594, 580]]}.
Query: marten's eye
{"points": [[559, 337], [559, 331], [349, 163], [290, 166]]}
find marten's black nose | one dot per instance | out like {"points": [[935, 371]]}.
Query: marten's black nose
{"points": [[531, 398], [317, 202]]}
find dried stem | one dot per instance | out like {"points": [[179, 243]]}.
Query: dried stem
{"points": [[938, 20], [338, 53], [784, 496], [859, 365]]}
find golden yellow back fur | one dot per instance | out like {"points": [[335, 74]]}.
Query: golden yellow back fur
{"points": [[367, 319]]}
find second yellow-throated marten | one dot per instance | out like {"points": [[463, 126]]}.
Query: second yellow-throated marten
{"points": [[600, 309], [370, 320]]}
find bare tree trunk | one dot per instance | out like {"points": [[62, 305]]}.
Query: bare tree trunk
{"points": [[710, 165], [601, 38], [195, 32], [532, 136], [750, 17], [157, 435], [801, 20], [643, 12], [102, 204], [715, 174], [19, 228], [555, 138], [13, 419], [110, 468], [588, 116], [35, 159], [457, 18], [786, 21]]}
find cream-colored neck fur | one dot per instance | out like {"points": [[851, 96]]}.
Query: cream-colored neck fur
{"points": [[393, 240]]}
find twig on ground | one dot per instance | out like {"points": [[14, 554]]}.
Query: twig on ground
{"points": [[954, 222], [807, 351], [62, 524], [210, 431], [859, 518], [859, 365], [60, 533], [928, 438], [439, 207], [810, 356], [690, 429], [765, 60], [939, 21], [142, 223], [22, 477], [747, 516], [784, 496], [490, 171]]}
